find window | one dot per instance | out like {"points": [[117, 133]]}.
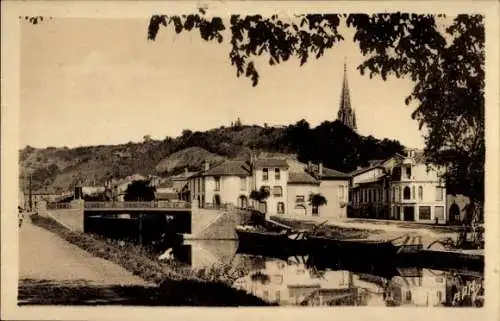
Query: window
{"points": [[424, 212], [393, 194], [217, 183], [277, 174], [420, 193], [281, 208], [277, 191], [299, 199], [439, 212], [243, 183], [408, 172], [315, 211], [278, 296], [341, 192], [439, 193], [265, 174], [406, 193], [267, 188]]}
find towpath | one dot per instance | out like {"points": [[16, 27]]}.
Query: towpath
{"points": [[47, 262]]}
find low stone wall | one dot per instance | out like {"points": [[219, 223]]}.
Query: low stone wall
{"points": [[220, 228], [70, 218]]}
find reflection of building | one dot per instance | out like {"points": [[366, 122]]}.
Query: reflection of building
{"points": [[402, 188], [290, 283], [428, 290]]}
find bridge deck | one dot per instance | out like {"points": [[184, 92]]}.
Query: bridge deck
{"points": [[137, 206]]}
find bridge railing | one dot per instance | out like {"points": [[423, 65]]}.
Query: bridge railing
{"points": [[58, 206], [153, 204]]}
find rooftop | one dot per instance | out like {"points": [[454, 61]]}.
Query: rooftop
{"points": [[183, 176], [228, 168], [301, 178], [270, 162], [329, 173]]}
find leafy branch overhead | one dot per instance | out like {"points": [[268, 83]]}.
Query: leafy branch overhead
{"points": [[255, 35], [446, 65]]}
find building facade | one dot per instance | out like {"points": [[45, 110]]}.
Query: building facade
{"points": [[232, 182], [225, 183], [402, 188], [271, 174]]}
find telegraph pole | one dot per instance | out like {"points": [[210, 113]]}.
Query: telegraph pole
{"points": [[30, 195]]}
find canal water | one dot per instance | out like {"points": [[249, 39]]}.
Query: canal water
{"points": [[294, 280], [289, 279]]}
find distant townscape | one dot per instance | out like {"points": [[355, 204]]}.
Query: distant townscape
{"points": [[385, 181]]}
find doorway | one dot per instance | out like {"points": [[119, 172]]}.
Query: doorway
{"points": [[409, 213], [243, 201]]}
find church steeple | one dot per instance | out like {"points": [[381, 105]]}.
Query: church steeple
{"points": [[346, 113]]}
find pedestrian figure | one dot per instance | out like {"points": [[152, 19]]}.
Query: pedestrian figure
{"points": [[20, 215]]}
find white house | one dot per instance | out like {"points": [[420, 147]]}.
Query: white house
{"points": [[231, 182], [225, 183], [417, 191], [402, 188], [271, 174]]}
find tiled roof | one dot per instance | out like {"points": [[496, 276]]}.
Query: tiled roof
{"points": [[165, 184], [271, 162], [329, 173], [301, 178], [364, 169], [229, 168], [183, 176], [179, 185]]}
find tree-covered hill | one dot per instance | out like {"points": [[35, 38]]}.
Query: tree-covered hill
{"points": [[334, 144]]}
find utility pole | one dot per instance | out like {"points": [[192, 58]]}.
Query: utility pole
{"points": [[140, 229], [30, 195]]}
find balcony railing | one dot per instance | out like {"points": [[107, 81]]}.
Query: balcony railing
{"points": [[157, 204]]}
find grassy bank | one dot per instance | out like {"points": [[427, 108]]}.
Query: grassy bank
{"points": [[177, 284]]}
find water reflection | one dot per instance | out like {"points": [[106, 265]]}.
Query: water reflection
{"points": [[302, 280]]}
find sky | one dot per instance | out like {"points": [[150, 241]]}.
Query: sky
{"points": [[100, 81]]}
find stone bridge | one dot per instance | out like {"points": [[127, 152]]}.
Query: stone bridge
{"points": [[194, 222]]}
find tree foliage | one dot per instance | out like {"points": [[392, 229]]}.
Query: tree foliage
{"points": [[316, 200], [259, 195], [140, 190]]}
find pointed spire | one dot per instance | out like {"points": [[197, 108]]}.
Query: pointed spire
{"points": [[346, 113]]}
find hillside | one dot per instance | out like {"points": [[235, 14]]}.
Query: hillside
{"points": [[331, 142]]}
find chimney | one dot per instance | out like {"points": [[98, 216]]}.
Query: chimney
{"points": [[186, 171], [309, 166], [207, 165], [320, 169], [359, 167]]}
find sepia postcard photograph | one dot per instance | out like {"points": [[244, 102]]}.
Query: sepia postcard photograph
{"points": [[250, 160]]}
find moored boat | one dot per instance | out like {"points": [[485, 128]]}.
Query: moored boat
{"points": [[250, 236], [361, 248]]}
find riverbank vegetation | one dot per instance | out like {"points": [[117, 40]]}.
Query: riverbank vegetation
{"points": [[177, 284]]}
